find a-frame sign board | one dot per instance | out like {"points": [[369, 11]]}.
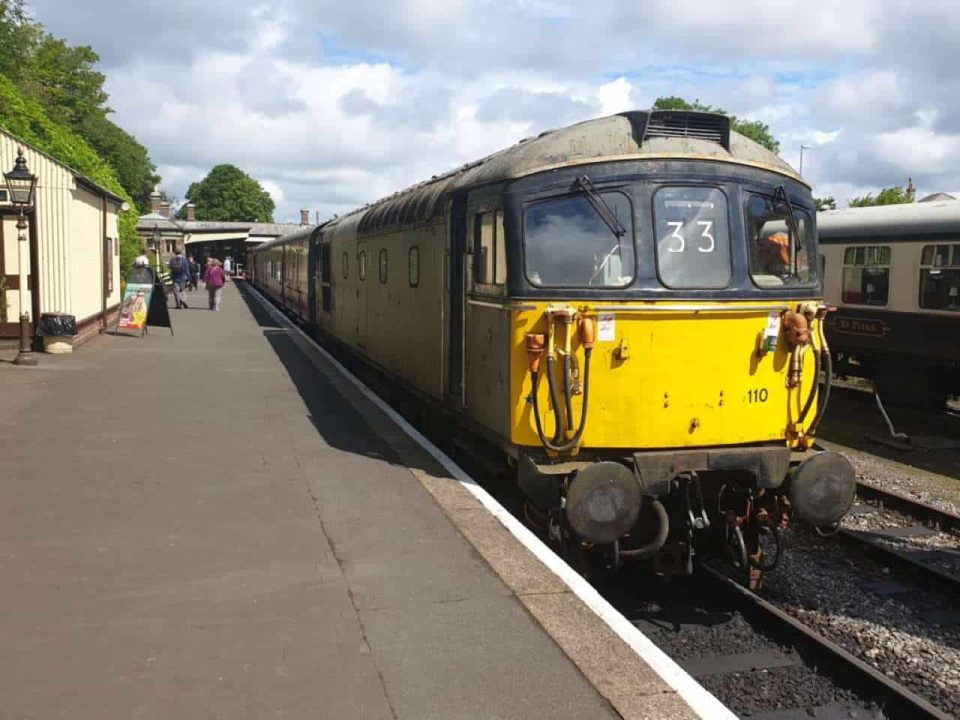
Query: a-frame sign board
{"points": [[144, 303]]}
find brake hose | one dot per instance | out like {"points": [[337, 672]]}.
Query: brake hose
{"points": [[827, 378], [575, 440]]}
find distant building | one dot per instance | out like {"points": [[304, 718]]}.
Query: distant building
{"points": [[73, 258], [204, 238], [937, 197]]}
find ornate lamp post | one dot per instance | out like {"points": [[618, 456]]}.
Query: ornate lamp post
{"points": [[22, 183], [156, 247], [802, 148]]}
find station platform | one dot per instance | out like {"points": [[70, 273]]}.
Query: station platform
{"points": [[217, 524]]}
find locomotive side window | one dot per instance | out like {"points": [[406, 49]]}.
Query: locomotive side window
{"points": [[567, 243], [489, 249], [866, 275], [346, 265], [779, 253], [693, 239], [413, 267], [383, 265], [940, 277], [362, 264]]}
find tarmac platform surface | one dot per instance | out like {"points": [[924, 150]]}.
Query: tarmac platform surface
{"points": [[210, 524]]}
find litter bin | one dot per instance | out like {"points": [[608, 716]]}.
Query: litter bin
{"points": [[57, 331]]}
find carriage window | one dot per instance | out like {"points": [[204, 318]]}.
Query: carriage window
{"points": [[774, 259], [866, 275], [413, 267], [940, 277], [346, 265], [362, 264], [693, 240], [383, 265], [568, 244]]}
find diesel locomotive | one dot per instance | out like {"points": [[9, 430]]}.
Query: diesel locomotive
{"points": [[629, 308]]}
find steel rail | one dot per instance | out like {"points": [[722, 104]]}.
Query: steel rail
{"points": [[944, 520], [897, 701]]}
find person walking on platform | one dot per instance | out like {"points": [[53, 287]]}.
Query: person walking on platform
{"points": [[213, 278], [180, 269], [227, 266], [194, 273]]}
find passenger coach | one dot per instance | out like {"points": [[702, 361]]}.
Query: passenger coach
{"points": [[894, 274], [629, 307]]}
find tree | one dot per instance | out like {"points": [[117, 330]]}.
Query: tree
{"points": [[888, 196], [825, 203], [18, 38], [129, 158], [65, 82], [754, 129], [227, 193]]}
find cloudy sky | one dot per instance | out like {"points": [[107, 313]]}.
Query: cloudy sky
{"points": [[333, 103]]}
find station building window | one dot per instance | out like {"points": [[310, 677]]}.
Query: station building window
{"points": [[383, 265], [413, 267], [866, 275], [940, 277]]}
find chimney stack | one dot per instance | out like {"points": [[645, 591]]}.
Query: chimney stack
{"points": [[165, 208], [191, 212], [155, 202], [304, 217]]}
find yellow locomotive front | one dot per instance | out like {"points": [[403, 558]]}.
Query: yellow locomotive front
{"points": [[666, 362]]}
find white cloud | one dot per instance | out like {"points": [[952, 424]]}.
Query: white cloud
{"points": [[333, 104]]}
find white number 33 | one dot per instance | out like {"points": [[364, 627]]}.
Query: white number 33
{"points": [[706, 234]]}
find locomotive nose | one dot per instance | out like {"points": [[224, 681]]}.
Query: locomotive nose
{"points": [[822, 488]]}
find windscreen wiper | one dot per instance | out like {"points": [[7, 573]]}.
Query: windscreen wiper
{"points": [[780, 194], [599, 204]]}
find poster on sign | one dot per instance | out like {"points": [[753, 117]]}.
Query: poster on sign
{"points": [[133, 308]]}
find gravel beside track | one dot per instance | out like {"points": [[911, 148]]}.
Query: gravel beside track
{"points": [[937, 490], [683, 621], [844, 596]]}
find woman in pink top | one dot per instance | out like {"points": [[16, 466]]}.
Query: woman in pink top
{"points": [[213, 278]]}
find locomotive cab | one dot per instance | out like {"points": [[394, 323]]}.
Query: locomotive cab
{"points": [[667, 352]]}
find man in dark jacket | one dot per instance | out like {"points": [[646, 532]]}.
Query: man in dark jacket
{"points": [[180, 270], [194, 273]]}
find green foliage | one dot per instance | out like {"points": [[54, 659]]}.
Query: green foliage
{"points": [[27, 120], [754, 129], [825, 203], [888, 196], [127, 157], [18, 38], [63, 80], [229, 194]]}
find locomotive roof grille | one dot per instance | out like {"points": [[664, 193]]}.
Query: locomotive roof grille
{"points": [[687, 124]]}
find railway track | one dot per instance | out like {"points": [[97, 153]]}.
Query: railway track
{"points": [[904, 533], [757, 659]]}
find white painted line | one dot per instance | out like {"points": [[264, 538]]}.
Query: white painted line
{"points": [[701, 701]]}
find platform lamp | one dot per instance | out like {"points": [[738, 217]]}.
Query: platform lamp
{"points": [[156, 245], [22, 184], [802, 148]]}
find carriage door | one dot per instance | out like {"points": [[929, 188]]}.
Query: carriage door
{"points": [[363, 262], [313, 277], [458, 245]]}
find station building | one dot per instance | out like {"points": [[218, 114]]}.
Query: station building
{"points": [[73, 249], [203, 238]]}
